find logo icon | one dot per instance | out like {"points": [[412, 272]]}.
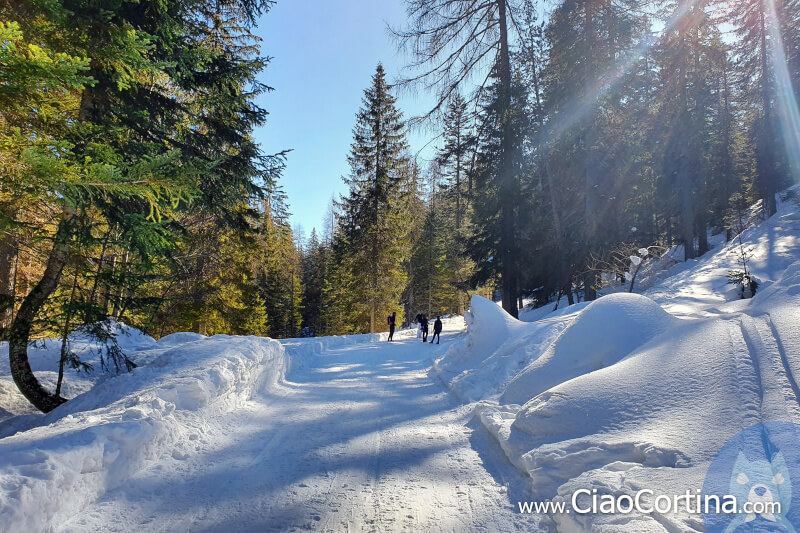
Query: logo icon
{"points": [[759, 468]]}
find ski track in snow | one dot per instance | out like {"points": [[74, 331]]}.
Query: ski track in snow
{"points": [[359, 438], [778, 393]]}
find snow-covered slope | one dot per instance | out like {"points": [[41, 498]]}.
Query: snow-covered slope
{"points": [[640, 391], [43, 356], [94, 442]]}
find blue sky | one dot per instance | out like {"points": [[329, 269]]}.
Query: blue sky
{"points": [[324, 55]]}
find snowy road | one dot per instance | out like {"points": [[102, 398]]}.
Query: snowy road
{"points": [[359, 439]]}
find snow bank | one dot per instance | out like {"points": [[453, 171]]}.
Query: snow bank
{"points": [[520, 360], [654, 419], [626, 396], [301, 349], [43, 356], [96, 441], [494, 349], [183, 337], [602, 334]]}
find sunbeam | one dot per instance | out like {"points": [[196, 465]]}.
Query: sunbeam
{"points": [[787, 110], [608, 80]]}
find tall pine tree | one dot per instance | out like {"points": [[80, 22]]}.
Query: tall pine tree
{"points": [[372, 245]]}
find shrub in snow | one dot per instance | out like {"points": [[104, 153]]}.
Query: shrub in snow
{"points": [[738, 219], [626, 261]]}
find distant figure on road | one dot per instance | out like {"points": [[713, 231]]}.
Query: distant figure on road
{"points": [[437, 329], [423, 322], [418, 320], [392, 320]]}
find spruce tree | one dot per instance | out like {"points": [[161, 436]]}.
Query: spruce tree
{"points": [[314, 271], [450, 42], [494, 246], [159, 122], [755, 51], [455, 157], [374, 217]]}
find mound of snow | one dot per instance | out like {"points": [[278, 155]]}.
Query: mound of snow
{"points": [[653, 420], [488, 327], [488, 324], [628, 397], [95, 442], [494, 349], [602, 334], [183, 337], [44, 355]]}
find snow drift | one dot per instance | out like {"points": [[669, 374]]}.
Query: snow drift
{"points": [[94, 442], [495, 348], [621, 395], [602, 334]]}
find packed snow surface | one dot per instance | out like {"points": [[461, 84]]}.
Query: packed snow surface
{"points": [[632, 391], [248, 434]]}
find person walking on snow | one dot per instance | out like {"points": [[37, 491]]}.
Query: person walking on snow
{"points": [[418, 320], [437, 329], [392, 320], [423, 322]]}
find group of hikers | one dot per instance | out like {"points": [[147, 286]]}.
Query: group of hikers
{"points": [[422, 321]]}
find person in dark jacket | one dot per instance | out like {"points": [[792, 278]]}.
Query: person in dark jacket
{"points": [[437, 329], [423, 322], [392, 320]]}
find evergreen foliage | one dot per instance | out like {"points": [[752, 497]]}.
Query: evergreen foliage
{"points": [[371, 246]]}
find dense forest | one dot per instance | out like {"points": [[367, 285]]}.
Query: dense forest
{"points": [[569, 131]]}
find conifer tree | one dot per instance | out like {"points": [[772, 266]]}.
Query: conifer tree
{"points": [[455, 156], [451, 41], [314, 271], [159, 120], [488, 246], [374, 217], [754, 47]]}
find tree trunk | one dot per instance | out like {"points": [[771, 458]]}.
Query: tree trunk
{"points": [[508, 262], [120, 294], [458, 180], [112, 263], [702, 236], [99, 271], [21, 327], [767, 165], [590, 285], [372, 317], [684, 177], [8, 255], [65, 335], [590, 146]]}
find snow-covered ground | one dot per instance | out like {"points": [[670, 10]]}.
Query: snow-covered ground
{"points": [[633, 391], [357, 437], [636, 392]]}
